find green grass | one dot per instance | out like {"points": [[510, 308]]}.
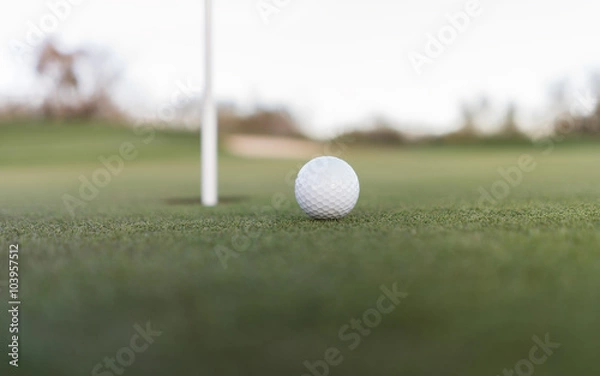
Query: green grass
{"points": [[481, 279]]}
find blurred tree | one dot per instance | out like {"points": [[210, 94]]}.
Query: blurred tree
{"points": [[469, 127], [468, 131], [510, 128], [558, 94], [382, 134], [77, 84], [261, 122]]}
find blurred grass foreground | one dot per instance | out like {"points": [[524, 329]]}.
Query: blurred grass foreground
{"points": [[255, 287]]}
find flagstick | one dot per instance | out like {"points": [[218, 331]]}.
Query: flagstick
{"points": [[209, 134]]}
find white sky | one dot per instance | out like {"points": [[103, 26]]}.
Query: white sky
{"points": [[332, 62]]}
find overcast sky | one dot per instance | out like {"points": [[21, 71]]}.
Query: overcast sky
{"points": [[332, 62]]}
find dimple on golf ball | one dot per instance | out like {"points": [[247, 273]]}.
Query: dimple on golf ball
{"points": [[327, 188]]}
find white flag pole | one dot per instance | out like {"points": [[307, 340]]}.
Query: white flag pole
{"points": [[209, 134]]}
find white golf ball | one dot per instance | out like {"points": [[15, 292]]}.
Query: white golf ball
{"points": [[327, 188]]}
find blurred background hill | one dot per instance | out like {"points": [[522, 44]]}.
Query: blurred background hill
{"points": [[77, 86]]}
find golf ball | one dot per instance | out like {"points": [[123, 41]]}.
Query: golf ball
{"points": [[327, 188]]}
